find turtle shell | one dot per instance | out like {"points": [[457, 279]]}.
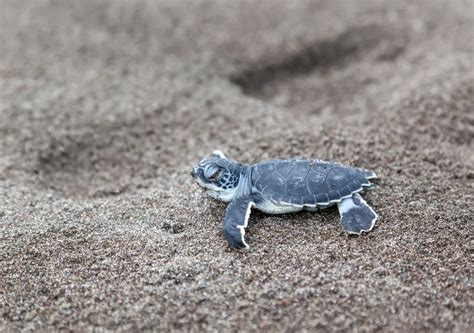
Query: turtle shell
{"points": [[307, 182]]}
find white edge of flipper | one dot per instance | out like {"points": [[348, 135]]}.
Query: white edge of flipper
{"points": [[242, 228]]}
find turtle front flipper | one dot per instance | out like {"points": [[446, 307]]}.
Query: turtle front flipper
{"points": [[356, 215], [235, 220]]}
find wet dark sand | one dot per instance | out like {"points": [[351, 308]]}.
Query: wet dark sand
{"points": [[106, 105]]}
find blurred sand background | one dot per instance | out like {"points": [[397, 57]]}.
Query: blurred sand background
{"points": [[106, 105]]}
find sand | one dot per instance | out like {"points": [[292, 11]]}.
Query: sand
{"points": [[106, 106]]}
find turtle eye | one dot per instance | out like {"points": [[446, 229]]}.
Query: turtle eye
{"points": [[216, 174]]}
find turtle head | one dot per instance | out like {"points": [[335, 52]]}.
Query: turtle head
{"points": [[218, 175]]}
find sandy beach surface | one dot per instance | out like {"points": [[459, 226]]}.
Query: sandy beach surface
{"points": [[106, 105]]}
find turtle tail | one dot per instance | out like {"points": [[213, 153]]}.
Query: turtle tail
{"points": [[368, 174]]}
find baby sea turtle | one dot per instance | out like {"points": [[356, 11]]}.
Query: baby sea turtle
{"points": [[284, 186]]}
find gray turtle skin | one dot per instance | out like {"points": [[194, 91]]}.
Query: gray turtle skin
{"points": [[285, 186]]}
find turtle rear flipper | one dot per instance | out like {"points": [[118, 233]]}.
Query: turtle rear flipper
{"points": [[356, 215]]}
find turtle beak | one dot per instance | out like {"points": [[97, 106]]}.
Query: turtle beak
{"points": [[194, 172]]}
